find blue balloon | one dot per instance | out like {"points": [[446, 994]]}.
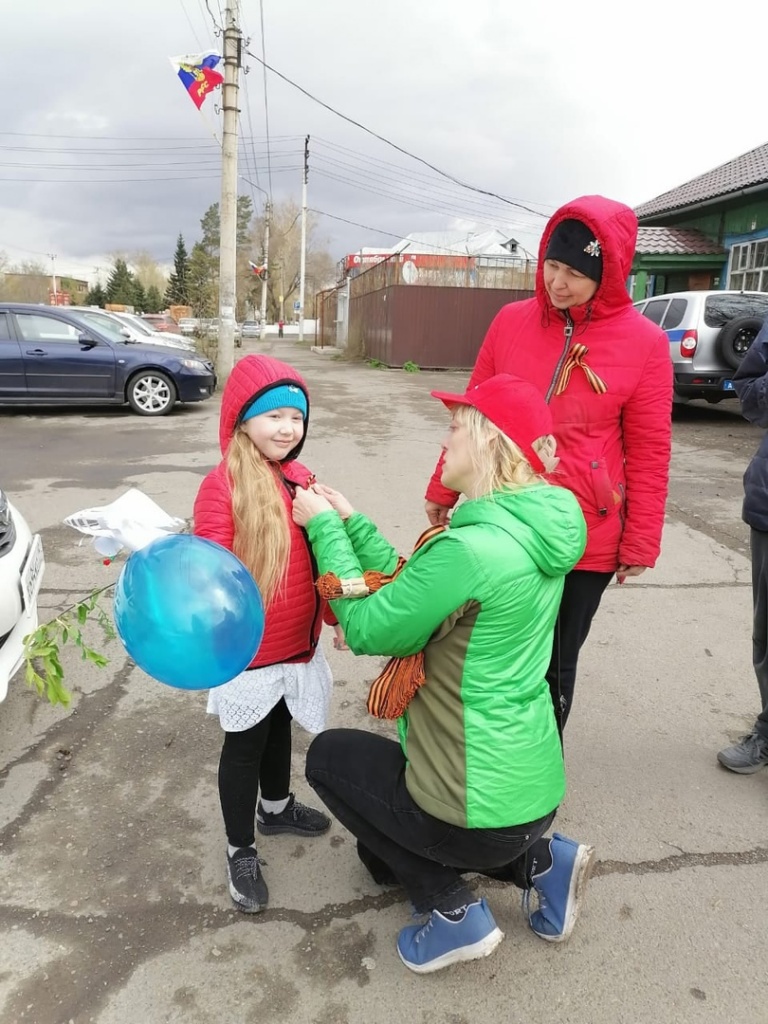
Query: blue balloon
{"points": [[188, 612]]}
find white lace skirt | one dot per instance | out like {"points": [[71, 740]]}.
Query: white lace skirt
{"points": [[249, 697]]}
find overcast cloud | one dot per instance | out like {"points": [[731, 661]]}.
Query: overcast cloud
{"points": [[538, 102]]}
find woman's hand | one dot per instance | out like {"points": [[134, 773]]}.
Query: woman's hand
{"points": [[307, 504], [438, 515], [624, 571], [337, 500]]}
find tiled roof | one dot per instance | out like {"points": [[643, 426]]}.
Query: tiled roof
{"points": [[675, 242], [745, 171]]}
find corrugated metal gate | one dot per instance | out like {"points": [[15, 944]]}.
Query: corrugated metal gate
{"points": [[432, 326]]}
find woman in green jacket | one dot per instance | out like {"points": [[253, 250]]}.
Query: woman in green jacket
{"points": [[478, 773]]}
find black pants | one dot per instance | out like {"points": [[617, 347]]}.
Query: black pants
{"points": [[581, 598], [360, 777], [259, 757], [758, 543]]}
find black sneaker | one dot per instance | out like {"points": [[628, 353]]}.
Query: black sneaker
{"points": [[747, 756], [246, 883], [296, 818]]}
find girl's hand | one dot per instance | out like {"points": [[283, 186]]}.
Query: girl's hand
{"points": [[337, 500], [307, 504], [339, 643]]}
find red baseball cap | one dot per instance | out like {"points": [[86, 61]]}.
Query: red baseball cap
{"points": [[513, 405]]}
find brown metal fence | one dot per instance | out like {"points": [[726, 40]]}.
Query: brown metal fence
{"points": [[326, 304], [432, 326]]}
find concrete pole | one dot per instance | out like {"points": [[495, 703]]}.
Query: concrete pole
{"points": [[52, 257], [265, 272], [303, 267], [225, 358]]}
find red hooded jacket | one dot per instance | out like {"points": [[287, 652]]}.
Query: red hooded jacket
{"points": [[294, 617], [614, 447]]}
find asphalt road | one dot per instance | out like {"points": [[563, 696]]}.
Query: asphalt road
{"points": [[113, 904]]}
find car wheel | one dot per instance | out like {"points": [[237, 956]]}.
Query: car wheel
{"points": [[151, 393], [735, 338]]}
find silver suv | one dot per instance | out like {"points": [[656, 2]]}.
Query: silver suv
{"points": [[708, 332]]}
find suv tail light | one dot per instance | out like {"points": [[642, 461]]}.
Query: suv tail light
{"points": [[688, 344]]}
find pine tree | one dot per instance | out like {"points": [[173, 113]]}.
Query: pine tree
{"points": [[120, 286], [139, 297], [211, 225], [96, 296], [154, 302], [202, 282], [177, 293]]}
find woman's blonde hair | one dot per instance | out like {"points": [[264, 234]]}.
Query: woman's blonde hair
{"points": [[499, 463], [262, 540]]}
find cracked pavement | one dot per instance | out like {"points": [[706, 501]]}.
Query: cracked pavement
{"points": [[113, 901]]}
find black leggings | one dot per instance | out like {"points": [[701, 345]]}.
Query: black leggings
{"points": [[257, 757], [581, 598]]}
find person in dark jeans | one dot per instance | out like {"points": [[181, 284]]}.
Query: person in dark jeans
{"points": [[605, 372], [750, 753], [477, 776]]}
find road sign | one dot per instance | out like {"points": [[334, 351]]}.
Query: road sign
{"points": [[296, 306]]}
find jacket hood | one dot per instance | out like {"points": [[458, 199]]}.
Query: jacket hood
{"points": [[250, 378], [545, 520], [615, 227]]}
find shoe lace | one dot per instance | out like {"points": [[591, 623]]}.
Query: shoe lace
{"points": [[422, 932], [247, 867], [541, 901], [300, 811]]}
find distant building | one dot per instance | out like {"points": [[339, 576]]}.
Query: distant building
{"points": [[39, 288], [441, 257], [711, 232]]}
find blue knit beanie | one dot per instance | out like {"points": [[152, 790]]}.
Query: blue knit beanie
{"points": [[283, 396]]}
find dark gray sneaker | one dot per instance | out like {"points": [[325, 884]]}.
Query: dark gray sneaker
{"points": [[749, 755], [297, 819], [246, 883]]}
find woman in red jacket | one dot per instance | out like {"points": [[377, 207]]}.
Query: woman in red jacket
{"points": [[606, 373], [245, 504]]}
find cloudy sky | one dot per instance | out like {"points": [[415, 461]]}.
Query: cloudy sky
{"points": [[102, 150]]}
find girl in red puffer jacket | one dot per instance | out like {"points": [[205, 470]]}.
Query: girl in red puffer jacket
{"points": [[245, 505]]}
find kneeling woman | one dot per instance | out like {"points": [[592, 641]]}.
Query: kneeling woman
{"points": [[478, 773]]}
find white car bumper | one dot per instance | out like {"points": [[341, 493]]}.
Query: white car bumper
{"points": [[21, 573]]}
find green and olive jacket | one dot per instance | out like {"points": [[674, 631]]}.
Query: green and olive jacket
{"points": [[480, 600]]}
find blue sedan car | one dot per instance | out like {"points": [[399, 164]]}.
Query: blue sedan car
{"points": [[50, 356]]}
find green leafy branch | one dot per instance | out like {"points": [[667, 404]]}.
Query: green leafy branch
{"points": [[42, 649]]}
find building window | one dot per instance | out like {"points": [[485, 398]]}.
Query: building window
{"points": [[749, 267]]}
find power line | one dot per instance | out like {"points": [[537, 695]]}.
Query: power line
{"points": [[381, 138], [217, 27], [416, 188], [266, 99], [108, 181], [189, 22], [126, 138], [357, 224], [428, 179], [480, 217]]}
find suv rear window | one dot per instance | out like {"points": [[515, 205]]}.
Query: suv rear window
{"points": [[655, 309], [719, 309], [674, 315]]}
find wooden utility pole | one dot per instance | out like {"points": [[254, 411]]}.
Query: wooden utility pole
{"points": [[303, 269], [225, 358], [265, 271]]}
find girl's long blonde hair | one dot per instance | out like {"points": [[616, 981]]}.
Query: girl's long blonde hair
{"points": [[499, 463], [262, 540]]}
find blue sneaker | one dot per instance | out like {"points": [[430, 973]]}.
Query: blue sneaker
{"points": [[441, 941], [560, 889]]}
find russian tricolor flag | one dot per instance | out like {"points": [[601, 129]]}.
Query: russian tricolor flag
{"points": [[197, 75]]}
